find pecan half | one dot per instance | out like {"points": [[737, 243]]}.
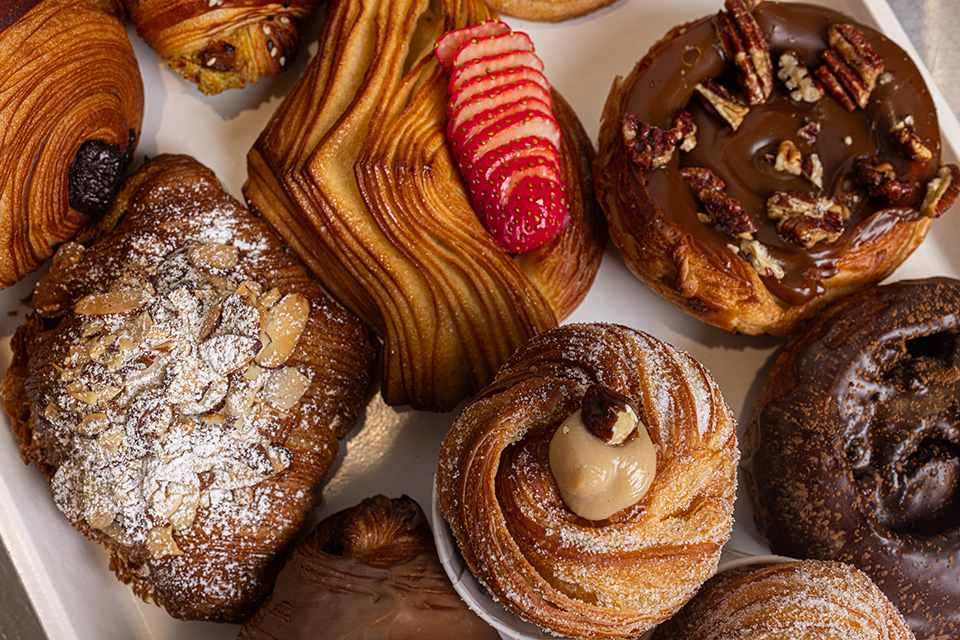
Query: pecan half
{"points": [[942, 191], [831, 85], [721, 208], [717, 100], [806, 219], [852, 45], [648, 146], [743, 43], [797, 78], [907, 142], [852, 66], [686, 128], [880, 179], [789, 158]]}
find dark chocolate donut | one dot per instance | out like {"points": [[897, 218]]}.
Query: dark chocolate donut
{"points": [[852, 451], [700, 225]]}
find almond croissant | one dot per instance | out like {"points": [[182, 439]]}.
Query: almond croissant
{"points": [[183, 386], [355, 172], [70, 116]]}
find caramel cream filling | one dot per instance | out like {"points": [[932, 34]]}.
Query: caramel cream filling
{"points": [[597, 479]]}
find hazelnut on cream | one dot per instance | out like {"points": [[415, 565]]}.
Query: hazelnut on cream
{"points": [[600, 471]]}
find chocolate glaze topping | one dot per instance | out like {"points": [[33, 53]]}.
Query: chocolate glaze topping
{"points": [[853, 449], [13, 10], [367, 572], [741, 158]]}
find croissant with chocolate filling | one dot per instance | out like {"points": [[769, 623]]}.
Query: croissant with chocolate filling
{"points": [[222, 44], [72, 102], [590, 487], [355, 172], [183, 385], [370, 571]]}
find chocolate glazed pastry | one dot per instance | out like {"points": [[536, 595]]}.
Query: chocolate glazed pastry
{"points": [[222, 44], [760, 163], [852, 452], [371, 571], [590, 487], [788, 600], [183, 385], [64, 149], [355, 172]]}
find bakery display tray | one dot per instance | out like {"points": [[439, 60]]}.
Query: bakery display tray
{"points": [[393, 450]]}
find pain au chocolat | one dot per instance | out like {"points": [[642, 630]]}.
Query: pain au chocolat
{"points": [[370, 571], [70, 116], [590, 486], [355, 171], [222, 44], [760, 163], [183, 386]]}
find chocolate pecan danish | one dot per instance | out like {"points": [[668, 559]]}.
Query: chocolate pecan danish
{"points": [[763, 162], [183, 385]]}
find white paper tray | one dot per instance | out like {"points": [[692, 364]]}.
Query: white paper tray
{"points": [[394, 451]]}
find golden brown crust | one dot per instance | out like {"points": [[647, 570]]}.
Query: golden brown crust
{"points": [[355, 172], [242, 491], [548, 10], [608, 579], [653, 215], [809, 599], [222, 45], [64, 150]]}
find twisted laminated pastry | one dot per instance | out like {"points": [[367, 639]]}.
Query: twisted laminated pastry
{"points": [[853, 447], [511, 499], [370, 571], [355, 172], [222, 44], [183, 385], [70, 112], [787, 600], [760, 163]]}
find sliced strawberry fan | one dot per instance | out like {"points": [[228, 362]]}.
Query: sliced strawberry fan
{"points": [[504, 133]]}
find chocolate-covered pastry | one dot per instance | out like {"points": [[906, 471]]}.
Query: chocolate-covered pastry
{"points": [[852, 451], [371, 571], [71, 129], [762, 162], [183, 386], [221, 44]]}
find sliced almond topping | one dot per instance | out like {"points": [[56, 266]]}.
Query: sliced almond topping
{"points": [[92, 424], [284, 388], [122, 302], [214, 256], [284, 325], [160, 542]]}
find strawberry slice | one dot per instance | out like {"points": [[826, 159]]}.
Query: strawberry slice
{"points": [[492, 64], [463, 131], [499, 95], [490, 46], [449, 42], [480, 84], [528, 122], [536, 211], [529, 146]]}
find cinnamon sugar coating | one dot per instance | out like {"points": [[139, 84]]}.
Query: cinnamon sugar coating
{"points": [[614, 578], [183, 385]]}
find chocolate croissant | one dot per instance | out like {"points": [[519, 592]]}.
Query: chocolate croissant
{"points": [[537, 476], [70, 121], [370, 571], [355, 172], [222, 44], [183, 385]]}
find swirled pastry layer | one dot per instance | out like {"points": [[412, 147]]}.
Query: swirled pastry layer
{"points": [[222, 44], [613, 578], [785, 601], [548, 10], [355, 172], [853, 446], [781, 203], [71, 102], [183, 385]]}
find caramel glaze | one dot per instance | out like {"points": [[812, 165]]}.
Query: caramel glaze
{"points": [[678, 63], [13, 10], [365, 573], [853, 449]]}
